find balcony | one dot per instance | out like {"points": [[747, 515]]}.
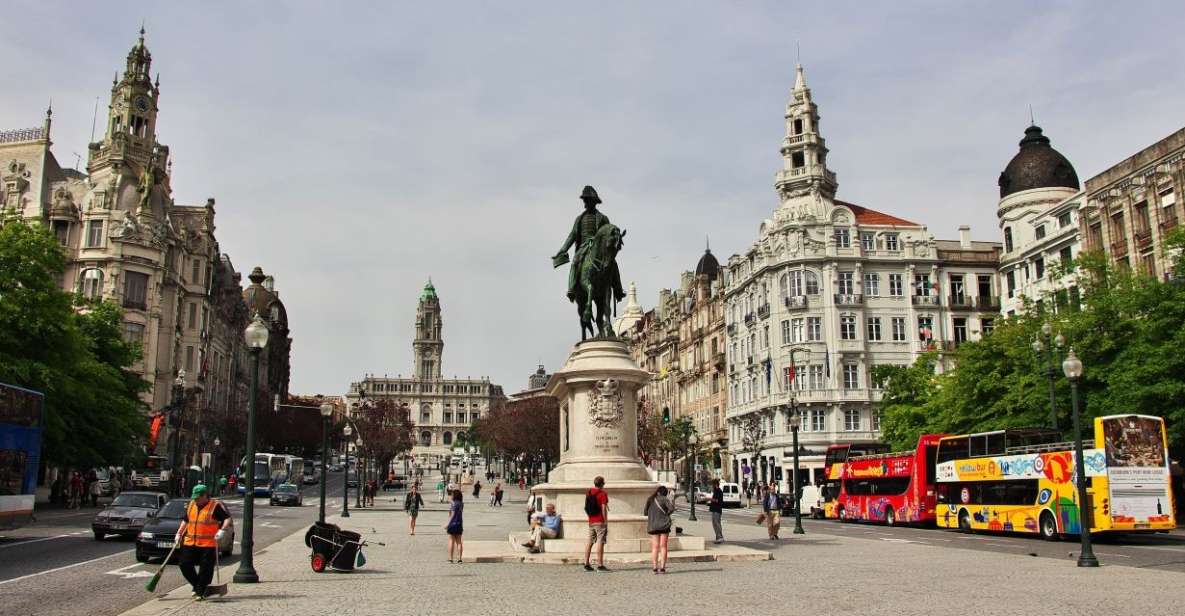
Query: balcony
{"points": [[1118, 249], [135, 304], [763, 311], [718, 360], [1169, 222], [795, 302], [731, 329], [960, 302], [849, 299], [925, 300], [750, 318], [1143, 238], [988, 302]]}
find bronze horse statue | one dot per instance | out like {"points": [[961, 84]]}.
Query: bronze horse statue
{"points": [[599, 282]]}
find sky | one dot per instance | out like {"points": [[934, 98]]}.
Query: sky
{"points": [[357, 149]]}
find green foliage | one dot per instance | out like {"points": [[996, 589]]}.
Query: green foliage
{"points": [[77, 358], [1128, 332]]}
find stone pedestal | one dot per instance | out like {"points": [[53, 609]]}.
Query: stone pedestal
{"points": [[597, 393]]}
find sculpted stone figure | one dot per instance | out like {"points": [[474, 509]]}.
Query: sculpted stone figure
{"points": [[593, 277]]}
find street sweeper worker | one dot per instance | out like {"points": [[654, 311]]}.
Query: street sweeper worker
{"points": [[206, 521]]}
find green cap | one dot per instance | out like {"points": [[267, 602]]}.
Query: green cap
{"points": [[198, 490]]}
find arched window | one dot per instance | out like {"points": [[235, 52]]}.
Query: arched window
{"points": [[784, 286], [1007, 239], [447, 438], [426, 414], [812, 283], [92, 283], [426, 438]]}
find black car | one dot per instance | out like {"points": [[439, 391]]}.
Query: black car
{"points": [[126, 515], [156, 539], [287, 494]]}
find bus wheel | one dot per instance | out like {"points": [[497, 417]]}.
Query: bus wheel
{"points": [[964, 521], [1048, 527], [890, 517]]}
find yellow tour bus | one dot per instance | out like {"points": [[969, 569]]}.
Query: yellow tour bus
{"points": [[1023, 480]]}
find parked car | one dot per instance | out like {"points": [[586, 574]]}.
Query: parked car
{"points": [[156, 539], [287, 494], [126, 515], [394, 482]]}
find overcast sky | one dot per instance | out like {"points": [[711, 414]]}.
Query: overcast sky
{"points": [[354, 151]]}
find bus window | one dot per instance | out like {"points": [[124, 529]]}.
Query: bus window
{"points": [[995, 444], [952, 449]]}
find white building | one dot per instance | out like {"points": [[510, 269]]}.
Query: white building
{"points": [[855, 287]]}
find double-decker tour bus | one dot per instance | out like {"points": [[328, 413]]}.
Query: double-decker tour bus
{"points": [[22, 417], [833, 464], [270, 470], [893, 488], [1023, 480]]}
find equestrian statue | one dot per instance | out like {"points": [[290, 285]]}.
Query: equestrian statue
{"points": [[593, 278]]}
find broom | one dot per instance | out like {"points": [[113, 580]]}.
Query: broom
{"points": [[151, 585]]}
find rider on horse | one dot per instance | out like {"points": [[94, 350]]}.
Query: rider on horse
{"points": [[583, 230]]}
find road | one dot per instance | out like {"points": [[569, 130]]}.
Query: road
{"points": [[56, 567], [1164, 552]]}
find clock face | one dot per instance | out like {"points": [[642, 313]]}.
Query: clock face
{"points": [[141, 103]]}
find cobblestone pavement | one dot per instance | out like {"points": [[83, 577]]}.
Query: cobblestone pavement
{"points": [[815, 573]]}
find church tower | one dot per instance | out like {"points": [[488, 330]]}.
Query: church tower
{"points": [[804, 152], [428, 345]]}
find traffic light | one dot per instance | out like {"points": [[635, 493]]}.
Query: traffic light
{"points": [[666, 416]]}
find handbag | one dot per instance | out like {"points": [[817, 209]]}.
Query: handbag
{"points": [[761, 518]]}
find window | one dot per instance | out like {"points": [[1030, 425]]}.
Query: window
{"points": [[1007, 239], [135, 290], [192, 315], [1063, 220], [189, 359], [984, 281], [925, 328], [817, 422], [1065, 255], [847, 327], [797, 331], [133, 333], [194, 271], [814, 329], [851, 376], [898, 329], [426, 438], [851, 420], [812, 283], [872, 285], [846, 283], [798, 126], [447, 438], [921, 283], [94, 234], [61, 229], [987, 325], [876, 422], [817, 380], [874, 329], [786, 339], [1040, 232], [867, 241], [1010, 278], [843, 238], [960, 329], [891, 242], [896, 285], [448, 417], [1039, 268], [92, 283], [765, 337]]}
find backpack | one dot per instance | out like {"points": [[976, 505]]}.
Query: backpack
{"points": [[592, 506]]}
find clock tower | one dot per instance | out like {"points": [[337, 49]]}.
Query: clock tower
{"points": [[428, 346]]}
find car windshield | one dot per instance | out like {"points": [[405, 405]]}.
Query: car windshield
{"points": [[173, 510], [146, 501], [286, 488]]}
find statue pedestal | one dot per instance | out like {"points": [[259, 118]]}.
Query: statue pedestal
{"points": [[597, 393]]}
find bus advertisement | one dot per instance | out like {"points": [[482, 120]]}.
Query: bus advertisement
{"points": [[1010, 481], [833, 465], [22, 417], [893, 488]]}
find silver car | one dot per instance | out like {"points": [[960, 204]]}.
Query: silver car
{"points": [[126, 515]]}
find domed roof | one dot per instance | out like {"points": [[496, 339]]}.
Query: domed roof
{"points": [[1036, 165], [708, 265], [429, 291]]}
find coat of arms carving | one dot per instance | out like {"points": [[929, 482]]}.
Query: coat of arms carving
{"points": [[606, 406]]}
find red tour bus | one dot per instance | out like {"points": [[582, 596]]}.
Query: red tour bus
{"points": [[893, 488], [833, 465]]}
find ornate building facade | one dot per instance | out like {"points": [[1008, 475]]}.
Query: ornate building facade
{"points": [[441, 409], [126, 240], [829, 290]]}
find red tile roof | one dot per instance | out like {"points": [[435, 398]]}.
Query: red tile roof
{"points": [[866, 216]]}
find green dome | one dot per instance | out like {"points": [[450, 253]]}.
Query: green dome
{"points": [[429, 291]]}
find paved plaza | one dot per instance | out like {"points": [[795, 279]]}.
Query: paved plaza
{"points": [[817, 573]]}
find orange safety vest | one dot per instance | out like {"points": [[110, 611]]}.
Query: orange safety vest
{"points": [[200, 526]]}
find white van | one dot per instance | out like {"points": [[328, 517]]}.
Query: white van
{"points": [[732, 494]]}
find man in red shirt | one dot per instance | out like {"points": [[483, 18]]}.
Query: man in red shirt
{"points": [[596, 505]]}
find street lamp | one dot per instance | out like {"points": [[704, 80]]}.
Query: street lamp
{"points": [[346, 432], [1072, 366], [256, 338], [178, 407], [214, 471], [1052, 344], [693, 451], [794, 421], [326, 413]]}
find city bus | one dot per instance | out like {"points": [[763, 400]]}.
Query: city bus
{"points": [[895, 487], [22, 418], [1024, 480], [270, 470], [833, 464]]}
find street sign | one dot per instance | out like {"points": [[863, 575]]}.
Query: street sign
{"points": [[699, 467]]}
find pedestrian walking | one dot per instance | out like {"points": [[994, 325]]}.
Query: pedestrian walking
{"points": [[75, 490], [476, 489], [596, 507], [411, 504], [716, 507], [440, 490], [455, 527], [658, 512], [498, 494], [522, 483], [771, 507], [96, 492], [204, 527]]}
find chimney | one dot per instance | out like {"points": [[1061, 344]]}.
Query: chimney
{"points": [[965, 236]]}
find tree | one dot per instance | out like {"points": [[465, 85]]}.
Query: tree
{"points": [[384, 429], [70, 349]]}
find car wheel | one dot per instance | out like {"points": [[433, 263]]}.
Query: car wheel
{"points": [[141, 557], [1048, 527], [99, 536]]}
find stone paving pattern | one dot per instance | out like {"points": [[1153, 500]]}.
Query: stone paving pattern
{"points": [[810, 574]]}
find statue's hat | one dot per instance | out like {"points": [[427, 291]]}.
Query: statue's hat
{"points": [[590, 193]]}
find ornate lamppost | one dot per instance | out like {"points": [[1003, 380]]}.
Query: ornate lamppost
{"points": [[794, 422], [1052, 345], [346, 432], [214, 472], [256, 338], [1072, 366], [692, 454], [326, 413]]}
